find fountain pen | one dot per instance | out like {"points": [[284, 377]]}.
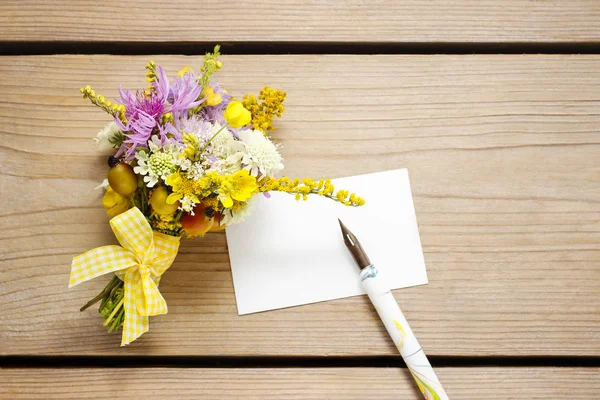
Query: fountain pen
{"points": [[386, 306]]}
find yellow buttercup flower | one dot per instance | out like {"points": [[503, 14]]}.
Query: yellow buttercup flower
{"points": [[212, 98], [182, 187], [239, 186], [236, 115], [114, 203]]}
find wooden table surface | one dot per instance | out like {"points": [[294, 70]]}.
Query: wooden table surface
{"points": [[503, 152]]}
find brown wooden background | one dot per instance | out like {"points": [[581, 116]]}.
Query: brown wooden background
{"points": [[491, 105]]}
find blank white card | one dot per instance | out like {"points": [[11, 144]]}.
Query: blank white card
{"points": [[288, 253]]}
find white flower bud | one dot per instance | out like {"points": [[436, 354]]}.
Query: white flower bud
{"points": [[105, 136]]}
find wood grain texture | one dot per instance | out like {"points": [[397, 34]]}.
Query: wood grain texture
{"points": [[305, 384], [341, 21], [503, 157]]}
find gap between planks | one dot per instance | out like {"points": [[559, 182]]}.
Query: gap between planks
{"points": [[305, 384], [17, 48], [291, 362]]}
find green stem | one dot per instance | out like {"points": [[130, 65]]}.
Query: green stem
{"points": [[143, 202], [103, 302], [110, 317], [113, 292], [118, 320], [132, 200], [114, 282]]}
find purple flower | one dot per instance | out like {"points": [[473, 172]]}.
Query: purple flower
{"points": [[168, 128], [161, 84], [185, 93], [136, 103], [182, 95], [144, 111], [143, 114], [194, 124]]}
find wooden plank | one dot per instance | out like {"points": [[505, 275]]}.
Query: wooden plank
{"points": [[503, 158], [436, 21], [296, 383]]}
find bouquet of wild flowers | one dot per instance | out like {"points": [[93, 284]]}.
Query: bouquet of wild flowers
{"points": [[188, 159]]}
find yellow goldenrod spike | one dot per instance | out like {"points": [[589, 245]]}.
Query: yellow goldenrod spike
{"points": [[184, 71]]}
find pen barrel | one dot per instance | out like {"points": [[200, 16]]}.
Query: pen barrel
{"points": [[407, 344]]}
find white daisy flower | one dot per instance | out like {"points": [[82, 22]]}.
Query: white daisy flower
{"points": [[259, 154], [224, 144], [156, 162], [227, 166], [105, 138]]}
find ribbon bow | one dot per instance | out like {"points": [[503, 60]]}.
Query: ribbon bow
{"points": [[144, 255]]}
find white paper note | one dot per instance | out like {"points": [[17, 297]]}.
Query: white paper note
{"points": [[288, 253]]}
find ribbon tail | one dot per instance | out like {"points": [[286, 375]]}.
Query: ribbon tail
{"points": [[165, 251], [134, 325], [150, 301], [99, 261]]}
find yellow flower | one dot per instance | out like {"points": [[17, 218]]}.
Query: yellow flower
{"points": [[236, 115], [116, 110], [302, 188], [191, 151], [184, 71], [239, 186], [271, 106], [114, 203], [182, 187], [212, 98], [165, 223], [168, 117], [151, 74]]}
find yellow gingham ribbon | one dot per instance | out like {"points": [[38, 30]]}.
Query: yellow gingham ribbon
{"points": [[142, 259]]}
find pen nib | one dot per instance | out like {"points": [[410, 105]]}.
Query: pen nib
{"points": [[354, 247]]}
